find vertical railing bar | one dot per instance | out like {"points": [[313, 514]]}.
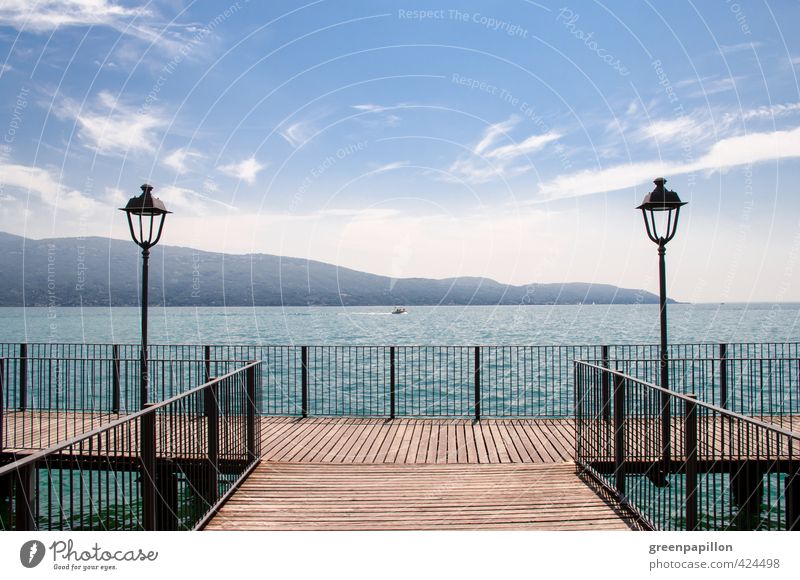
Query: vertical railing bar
{"points": [[250, 381], [477, 379], [304, 381], [690, 451], [148, 465], [392, 383], [619, 434], [23, 376], [115, 368], [606, 386]]}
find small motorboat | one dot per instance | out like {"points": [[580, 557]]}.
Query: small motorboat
{"points": [[399, 310]]}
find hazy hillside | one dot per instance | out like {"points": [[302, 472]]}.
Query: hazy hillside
{"points": [[101, 271]]}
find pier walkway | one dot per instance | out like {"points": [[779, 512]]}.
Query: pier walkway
{"points": [[369, 474]]}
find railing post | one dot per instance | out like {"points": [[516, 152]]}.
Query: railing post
{"points": [[619, 434], [207, 361], [250, 384], [2, 399], [23, 376], [477, 383], [723, 376], [25, 508], [212, 415], [115, 395], [793, 501], [392, 382], [148, 461], [690, 450], [606, 385], [304, 381]]}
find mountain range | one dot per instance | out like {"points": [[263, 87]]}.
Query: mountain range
{"points": [[96, 271]]}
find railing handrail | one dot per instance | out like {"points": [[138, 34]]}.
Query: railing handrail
{"points": [[293, 345], [705, 359], [690, 397], [122, 359], [149, 408]]}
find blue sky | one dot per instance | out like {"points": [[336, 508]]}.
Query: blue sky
{"points": [[511, 140]]}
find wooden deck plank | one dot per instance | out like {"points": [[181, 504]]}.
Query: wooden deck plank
{"points": [[510, 496], [480, 443], [502, 452]]}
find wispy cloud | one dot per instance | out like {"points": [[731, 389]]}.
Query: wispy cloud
{"points": [[141, 23], [188, 201], [48, 189], [381, 113], [180, 160], [298, 133], [112, 127], [390, 166], [766, 112], [732, 151], [668, 130], [726, 49], [246, 170], [709, 85], [490, 160], [48, 15]]}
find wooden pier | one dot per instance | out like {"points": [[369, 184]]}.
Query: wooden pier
{"points": [[414, 474]]}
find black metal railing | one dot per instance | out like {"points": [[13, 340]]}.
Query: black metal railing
{"points": [[166, 467], [427, 381], [766, 388], [46, 400], [711, 469]]}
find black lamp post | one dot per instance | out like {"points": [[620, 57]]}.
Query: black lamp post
{"points": [[146, 220], [661, 208]]}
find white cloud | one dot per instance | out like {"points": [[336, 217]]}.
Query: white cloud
{"points": [[246, 170], [390, 166], [180, 159], [493, 133], [726, 49], [113, 127], [740, 150], [766, 112], [298, 133], [492, 161], [530, 145], [47, 15], [370, 108], [701, 87], [5, 68], [381, 115], [187, 201], [45, 186], [665, 130]]}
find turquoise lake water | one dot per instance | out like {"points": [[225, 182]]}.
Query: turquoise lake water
{"points": [[423, 325]]}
